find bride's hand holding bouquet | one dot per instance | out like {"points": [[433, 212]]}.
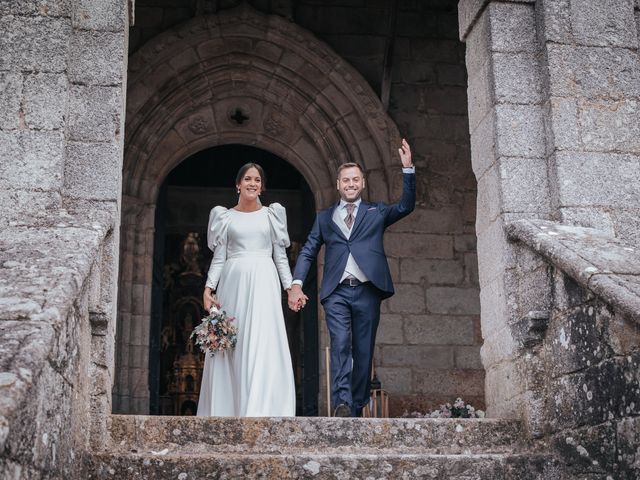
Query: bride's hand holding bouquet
{"points": [[216, 332]]}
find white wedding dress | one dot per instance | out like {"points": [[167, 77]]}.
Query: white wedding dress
{"points": [[256, 378]]}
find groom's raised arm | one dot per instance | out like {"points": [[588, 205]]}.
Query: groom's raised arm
{"points": [[407, 202]]}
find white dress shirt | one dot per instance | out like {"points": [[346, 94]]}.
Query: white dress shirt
{"points": [[351, 269]]}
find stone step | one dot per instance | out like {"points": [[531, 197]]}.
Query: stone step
{"points": [[202, 435], [226, 465]]}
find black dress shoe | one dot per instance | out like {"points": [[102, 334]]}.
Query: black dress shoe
{"points": [[342, 410]]}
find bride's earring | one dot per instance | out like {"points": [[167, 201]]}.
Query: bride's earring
{"points": [[238, 192]]}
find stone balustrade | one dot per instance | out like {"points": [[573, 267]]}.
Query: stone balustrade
{"points": [[56, 342], [582, 375]]}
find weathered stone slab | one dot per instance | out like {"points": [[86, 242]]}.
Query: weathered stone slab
{"points": [[596, 118], [434, 272], [628, 439], [453, 300], [468, 358], [516, 77], [602, 392], [274, 435], [563, 120], [440, 330], [408, 298], [390, 329], [45, 8], [424, 356], [575, 341], [97, 58], [605, 179], [442, 220], [513, 27], [588, 449], [555, 21], [483, 145], [610, 73], [590, 257], [10, 98], [93, 170], [452, 383], [31, 160], [94, 113], [45, 100], [437, 467], [101, 15], [34, 43], [604, 23], [418, 245], [524, 185], [520, 131]]}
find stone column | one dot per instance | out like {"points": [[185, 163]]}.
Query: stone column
{"points": [[131, 393], [96, 89], [592, 105], [553, 113], [508, 152]]}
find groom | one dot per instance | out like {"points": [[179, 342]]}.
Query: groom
{"points": [[356, 277]]}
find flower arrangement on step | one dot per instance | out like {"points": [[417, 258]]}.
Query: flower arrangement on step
{"points": [[459, 409], [216, 333]]}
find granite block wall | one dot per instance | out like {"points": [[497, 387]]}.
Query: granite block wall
{"points": [[61, 100]]}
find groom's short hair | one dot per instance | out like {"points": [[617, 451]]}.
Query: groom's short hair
{"points": [[350, 165]]}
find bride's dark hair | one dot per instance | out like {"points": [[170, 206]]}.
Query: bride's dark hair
{"points": [[246, 167]]}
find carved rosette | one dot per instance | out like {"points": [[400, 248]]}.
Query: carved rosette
{"points": [[198, 125]]}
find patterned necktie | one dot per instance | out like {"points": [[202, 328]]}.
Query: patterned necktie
{"points": [[349, 218]]}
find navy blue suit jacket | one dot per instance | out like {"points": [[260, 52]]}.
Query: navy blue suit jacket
{"points": [[365, 242]]}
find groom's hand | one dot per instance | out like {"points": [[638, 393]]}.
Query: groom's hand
{"points": [[297, 299], [405, 154]]}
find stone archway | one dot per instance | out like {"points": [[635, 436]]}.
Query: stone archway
{"points": [[236, 77]]}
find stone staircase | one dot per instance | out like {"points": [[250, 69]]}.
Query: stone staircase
{"points": [[189, 448]]}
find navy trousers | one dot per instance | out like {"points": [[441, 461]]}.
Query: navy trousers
{"points": [[352, 315]]}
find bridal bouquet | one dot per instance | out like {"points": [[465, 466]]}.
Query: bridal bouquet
{"points": [[216, 333]]}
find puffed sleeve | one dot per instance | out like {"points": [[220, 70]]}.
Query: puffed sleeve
{"points": [[217, 241], [280, 240], [217, 229]]}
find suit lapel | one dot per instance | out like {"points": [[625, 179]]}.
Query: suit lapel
{"points": [[362, 211]]}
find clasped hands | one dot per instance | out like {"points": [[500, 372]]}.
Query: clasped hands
{"points": [[297, 298]]}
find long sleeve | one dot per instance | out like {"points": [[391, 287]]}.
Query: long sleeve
{"points": [[308, 253], [282, 265], [280, 241], [397, 211], [215, 269]]}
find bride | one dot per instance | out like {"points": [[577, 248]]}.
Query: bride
{"points": [[248, 242]]}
